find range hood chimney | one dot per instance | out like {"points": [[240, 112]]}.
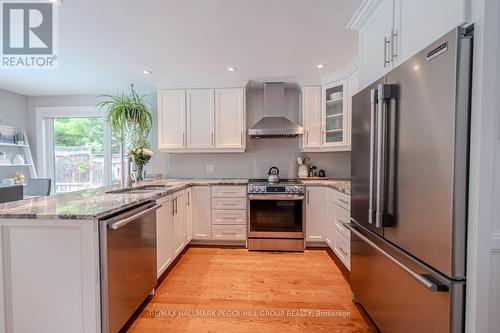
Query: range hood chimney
{"points": [[274, 123]]}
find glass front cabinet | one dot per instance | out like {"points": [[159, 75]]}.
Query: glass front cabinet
{"points": [[326, 111], [334, 129]]}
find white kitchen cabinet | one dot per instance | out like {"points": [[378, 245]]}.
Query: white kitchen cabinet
{"points": [[164, 236], [171, 119], [179, 221], [315, 214], [311, 104], [229, 211], [391, 31], [200, 118], [189, 214], [202, 226], [374, 43], [330, 217], [230, 118], [326, 111], [412, 35], [334, 115]]}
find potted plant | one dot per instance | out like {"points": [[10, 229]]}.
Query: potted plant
{"points": [[128, 113], [20, 137]]}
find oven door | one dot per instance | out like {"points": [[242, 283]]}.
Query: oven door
{"points": [[276, 216]]}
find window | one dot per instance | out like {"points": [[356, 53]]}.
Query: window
{"points": [[76, 149]]}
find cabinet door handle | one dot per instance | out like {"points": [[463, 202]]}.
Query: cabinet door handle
{"points": [[307, 137], [386, 41], [188, 199], [394, 52], [212, 139], [173, 206], [308, 195]]}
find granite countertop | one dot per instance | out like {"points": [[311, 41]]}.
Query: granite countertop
{"points": [[93, 204], [342, 185]]}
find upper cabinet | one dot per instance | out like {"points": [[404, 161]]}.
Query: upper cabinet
{"points": [[334, 115], [311, 106], [326, 111], [172, 119], [230, 118], [391, 31], [201, 120]]}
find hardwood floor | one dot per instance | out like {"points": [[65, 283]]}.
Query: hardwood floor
{"points": [[234, 290]]}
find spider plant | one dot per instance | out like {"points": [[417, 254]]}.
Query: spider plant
{"points": [[128, 112]]}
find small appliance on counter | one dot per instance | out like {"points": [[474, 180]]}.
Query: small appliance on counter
{"points": [[272, 175], [322, 173]]}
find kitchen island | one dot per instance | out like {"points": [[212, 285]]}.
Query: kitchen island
{"points": [[50, 249]]}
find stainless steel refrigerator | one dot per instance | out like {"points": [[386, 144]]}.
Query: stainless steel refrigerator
{"points": [[409, 169]]}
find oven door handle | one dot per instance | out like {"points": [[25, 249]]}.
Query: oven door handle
{"points": [[282, 197]]}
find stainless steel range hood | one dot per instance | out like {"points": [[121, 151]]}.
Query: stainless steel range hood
{"points": [[274, 123]]}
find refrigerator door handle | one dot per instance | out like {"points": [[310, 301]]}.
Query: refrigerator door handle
{"points": [[431, 286], [373, 102], [381, 155]]}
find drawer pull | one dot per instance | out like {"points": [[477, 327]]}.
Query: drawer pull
{"points": [[228, 233], [344, 201], [342, 250]]}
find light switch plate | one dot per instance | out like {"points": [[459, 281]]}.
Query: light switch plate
{"points": [[210, 168]]}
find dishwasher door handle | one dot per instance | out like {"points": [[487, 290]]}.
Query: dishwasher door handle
{"points": [[125, 221]]}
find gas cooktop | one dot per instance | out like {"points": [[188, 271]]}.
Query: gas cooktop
{"points": [[282, 182]]}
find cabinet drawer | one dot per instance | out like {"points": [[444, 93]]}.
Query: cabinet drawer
{"points": [[343, 200], [229, 232], [229, 191], [342, 248], [229, 217], [342, 216], [229, 203]]}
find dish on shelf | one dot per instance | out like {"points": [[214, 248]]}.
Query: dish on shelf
{"points": [[336, 96]]}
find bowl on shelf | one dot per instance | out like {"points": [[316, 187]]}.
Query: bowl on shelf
{"points": [[336, 96]]}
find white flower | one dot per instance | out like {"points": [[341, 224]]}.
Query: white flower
{"points": [[147, 152]]}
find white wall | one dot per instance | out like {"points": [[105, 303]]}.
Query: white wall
{"points": [[261, 154], [483, 258]]}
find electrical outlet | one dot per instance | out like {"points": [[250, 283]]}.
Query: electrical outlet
{"points": [[210, 168]]}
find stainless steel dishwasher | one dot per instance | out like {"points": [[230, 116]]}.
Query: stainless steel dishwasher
{"points": [[128, 263]]}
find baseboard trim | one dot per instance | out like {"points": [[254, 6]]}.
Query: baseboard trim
{"points": [[343, 269]]}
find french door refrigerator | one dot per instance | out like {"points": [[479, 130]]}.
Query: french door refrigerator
{"points": [[409, 169]]}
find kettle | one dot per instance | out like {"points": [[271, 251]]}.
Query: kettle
{"points": [[322, 173], [273, 175]]}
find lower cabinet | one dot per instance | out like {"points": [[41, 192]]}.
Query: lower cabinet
{"points": [[189, 214], [179, 221], [164, 236], [229, 232], [229, 212], [315, 213], [337, 235], [201, 212]]}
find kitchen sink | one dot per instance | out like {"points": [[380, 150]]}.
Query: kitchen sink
{"points": [[140, 189]]}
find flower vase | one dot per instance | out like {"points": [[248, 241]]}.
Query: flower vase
{"points": [[139, 176]]}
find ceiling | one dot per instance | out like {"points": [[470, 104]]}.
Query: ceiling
{"points": [[105, 45]]}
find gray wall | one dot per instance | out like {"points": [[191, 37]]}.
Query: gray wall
{"points": [[261, 154], [157, 164], [13, 113]]}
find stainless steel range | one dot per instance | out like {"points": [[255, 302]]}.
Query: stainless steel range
{"points": [[276, 216]]}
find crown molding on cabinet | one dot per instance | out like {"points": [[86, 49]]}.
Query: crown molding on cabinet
{"points": [[202, 85], [362, 14], [344, 73]]}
